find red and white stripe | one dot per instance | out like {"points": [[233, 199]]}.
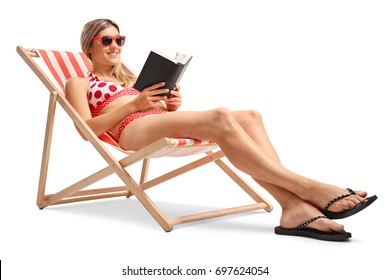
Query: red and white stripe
{"points": [[63, 65]]}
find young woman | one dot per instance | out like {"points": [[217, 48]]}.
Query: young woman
{"points": [[106, 100]]}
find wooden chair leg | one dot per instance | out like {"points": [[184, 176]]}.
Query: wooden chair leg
{"points": [[244, 185], [46, 149], [144, 172]]}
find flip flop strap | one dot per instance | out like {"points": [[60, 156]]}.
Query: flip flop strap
{"points": [[339, 197], [310, 221]]}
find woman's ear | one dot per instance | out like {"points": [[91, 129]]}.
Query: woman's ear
{"points": [[90, 52]]}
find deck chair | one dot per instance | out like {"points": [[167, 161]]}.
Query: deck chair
{"points": [[61, 66]]}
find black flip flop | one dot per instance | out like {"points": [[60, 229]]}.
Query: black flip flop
{"points": [[303, 231], [346, 213]]}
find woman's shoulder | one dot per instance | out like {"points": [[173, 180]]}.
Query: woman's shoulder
{"points": [[77, 80], [76, 83]]}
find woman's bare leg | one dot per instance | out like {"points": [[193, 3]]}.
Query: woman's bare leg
{"points": [[295, 211], [251, 122], [242, 150], [220, 126]]}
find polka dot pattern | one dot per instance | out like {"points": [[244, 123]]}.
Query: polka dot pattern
{"points": [[95, 109], [137, 115], [101, 93]]}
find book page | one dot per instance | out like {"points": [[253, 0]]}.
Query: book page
{"points": [[182, 58], [179, 58], [164, 55]]}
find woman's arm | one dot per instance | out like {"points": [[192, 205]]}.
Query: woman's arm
{"points": [[76, 93]]}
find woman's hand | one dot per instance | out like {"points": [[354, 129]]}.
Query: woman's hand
{"points": [[149, 97], [174, 101]]}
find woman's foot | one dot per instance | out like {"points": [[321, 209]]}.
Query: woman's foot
{"points": [[337, 203], [303, 219], [301, 212], [348, 212]]}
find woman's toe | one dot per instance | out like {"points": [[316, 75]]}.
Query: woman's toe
{"points": [[361, 193], [327, 225], [336, 227]]}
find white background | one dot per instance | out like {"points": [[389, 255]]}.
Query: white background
{"points": [[318, 71]]}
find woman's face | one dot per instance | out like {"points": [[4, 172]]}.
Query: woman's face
{"points": [[102, 54]]}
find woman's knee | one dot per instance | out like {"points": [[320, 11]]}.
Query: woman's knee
{"points": [[255, 116], [249, 118], [225, 116], [223, 121], [222, 116]]}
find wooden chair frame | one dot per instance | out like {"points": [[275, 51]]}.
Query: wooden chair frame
{"points": [[76, 192]]}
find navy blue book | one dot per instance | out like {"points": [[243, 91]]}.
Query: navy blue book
{"points": [[159, 67]]}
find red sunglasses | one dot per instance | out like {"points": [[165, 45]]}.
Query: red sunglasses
{"points": [[107, 40]]}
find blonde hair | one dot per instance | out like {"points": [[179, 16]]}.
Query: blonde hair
{"points": [[91, 30]]}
